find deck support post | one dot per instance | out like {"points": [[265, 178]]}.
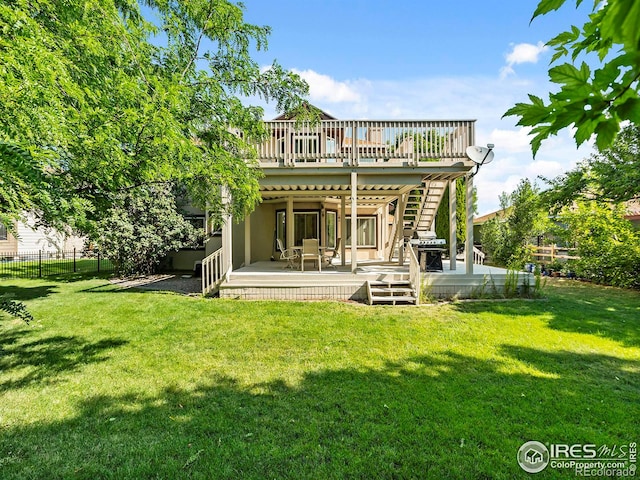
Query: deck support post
{"points": [[354, 221], [289, 223], [468, 247], [227, 232], [453, 241], [247, 239], [343, 229]]}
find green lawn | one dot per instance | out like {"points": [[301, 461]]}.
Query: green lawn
{"points": [[130, 384]]}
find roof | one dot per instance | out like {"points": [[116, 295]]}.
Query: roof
{"points": [[322, 114], [633, 210], [485, 218]]}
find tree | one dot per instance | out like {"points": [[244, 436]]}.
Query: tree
{"points": [[442, 216], [140, 228], [506, 236], [595, 101], [607, 244], [103, 102], [612, 175]]}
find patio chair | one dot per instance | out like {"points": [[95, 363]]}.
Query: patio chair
{"points": [[288, 254], [311, 250], [330, 254]]}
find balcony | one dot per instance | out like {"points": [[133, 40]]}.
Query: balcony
{"points": [[349, 143]]}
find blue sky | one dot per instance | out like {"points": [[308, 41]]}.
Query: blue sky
{"points": [[463, 59]]}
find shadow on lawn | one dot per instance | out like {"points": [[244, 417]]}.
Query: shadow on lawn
{"points": [[27, 293], [441, 416], [578, 307], [43, 360]]}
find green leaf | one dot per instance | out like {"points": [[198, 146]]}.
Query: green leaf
{"points": [[560, 52], [621, 23], [570, 113], [546, 6], [530, 114], [541, 132], [567, 74], [585, 130], [606, 132], [630, 110], [605, 76]]}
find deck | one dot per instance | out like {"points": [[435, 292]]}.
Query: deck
{"points": [[271, 280]]}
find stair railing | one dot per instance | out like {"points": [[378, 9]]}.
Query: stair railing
{"points": [[212, 272], [415, 277]]}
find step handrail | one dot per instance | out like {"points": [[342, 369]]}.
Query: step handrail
{"points": [[212, 272], [415, 277]]}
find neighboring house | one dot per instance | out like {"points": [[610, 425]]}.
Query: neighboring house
{"points": [[478, 223], [375, 182], [633, 212], [29, 239]]}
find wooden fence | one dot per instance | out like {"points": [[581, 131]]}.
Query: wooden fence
{"points": [[552, 253]]}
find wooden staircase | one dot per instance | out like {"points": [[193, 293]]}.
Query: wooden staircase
{"points": [[418, 211], [422, 205], [390, 292]]}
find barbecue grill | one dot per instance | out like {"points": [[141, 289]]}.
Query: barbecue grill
{"points": [[429, 250]]}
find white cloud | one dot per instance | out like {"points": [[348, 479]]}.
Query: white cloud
{"points": [[512, 141], [522, 53], [324, 88]]}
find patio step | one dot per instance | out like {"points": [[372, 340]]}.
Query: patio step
{"points": [[392, 291]]}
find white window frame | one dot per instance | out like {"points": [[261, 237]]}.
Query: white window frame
{"points": [[361, 219]]}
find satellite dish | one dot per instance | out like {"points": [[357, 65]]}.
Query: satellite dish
{"points": [[480, 155]]}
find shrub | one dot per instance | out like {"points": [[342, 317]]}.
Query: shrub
{"points": [[140, 229]]}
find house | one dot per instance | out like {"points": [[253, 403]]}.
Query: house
{"points": [[30, 238], [365, 186]]}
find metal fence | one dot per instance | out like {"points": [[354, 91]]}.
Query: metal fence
{"points": [[41, 263]]}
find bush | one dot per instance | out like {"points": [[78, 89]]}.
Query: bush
{"points": [[608, 245], [141, 228]]}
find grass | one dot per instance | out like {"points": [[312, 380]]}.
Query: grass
{"points": [[129, 384]]}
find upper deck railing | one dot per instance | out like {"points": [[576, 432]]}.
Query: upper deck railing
{"points": [[355, 142]]}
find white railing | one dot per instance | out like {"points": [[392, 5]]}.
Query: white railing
{"points": [[415, 276], [478, 256], [212, 272], [353, 142]]}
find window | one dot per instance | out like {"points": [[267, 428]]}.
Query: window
{"points": [[305, 225], [366, 231], [332, 220], [3, 232], [198, 221], [305, 144]]}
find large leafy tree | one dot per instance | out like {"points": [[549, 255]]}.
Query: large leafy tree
{"points": [[612, 175], [593, 100], [101, 97], [522, 218], [607, 245]]}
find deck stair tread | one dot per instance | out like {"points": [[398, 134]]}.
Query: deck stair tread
{"points": [[395, 299], [394, 291], [389, 283]]}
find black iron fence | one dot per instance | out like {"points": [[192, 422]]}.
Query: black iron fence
{"points": [[41, 263]]}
